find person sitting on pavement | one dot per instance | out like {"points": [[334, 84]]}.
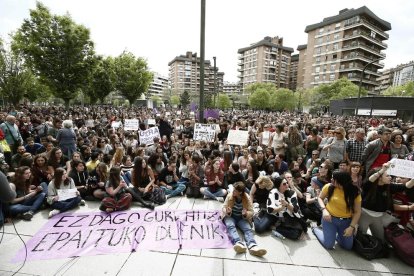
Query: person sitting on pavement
{"points": [[215, 179], [168, 179]]}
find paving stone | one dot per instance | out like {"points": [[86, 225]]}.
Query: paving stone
{"points": [[237, 268], [190, 265], [276, 251], [282, 269], [148, 263]]}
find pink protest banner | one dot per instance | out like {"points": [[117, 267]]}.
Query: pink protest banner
{"points": [[81, 234]]}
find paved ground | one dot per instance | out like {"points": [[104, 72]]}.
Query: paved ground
{"points": [[285, 257]]}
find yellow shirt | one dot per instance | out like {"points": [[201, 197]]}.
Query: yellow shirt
{"points": [[90, 165], [336, 205]]}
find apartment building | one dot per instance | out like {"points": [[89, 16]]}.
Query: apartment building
{"points": [[403, 73], [184, 75], [385, 80], [266, 61], [293, 73], [342, 46], [232, 88], [158, 85]]}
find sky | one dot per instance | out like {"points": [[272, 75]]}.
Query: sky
{"points": [[160, 30]]}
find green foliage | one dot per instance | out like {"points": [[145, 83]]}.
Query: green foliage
{"points": [[260, 99], [132, 76], [283, 99], [324, 93], [57, 49], [269, 87], [401, 90], [175, 100], [156, 100], [102, 80], [223, 101], [185, 99]]}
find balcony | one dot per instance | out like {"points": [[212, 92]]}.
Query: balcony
{"points": [[363, 46], [366, 23], [366, 36], [358, 68], [364, 58]]}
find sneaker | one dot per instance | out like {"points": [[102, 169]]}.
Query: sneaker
{"points": [[220, 199], [206, 197], [53, 212], [82, 203], [256, 251], [149, 205], [167, 196], [239, 247], [28, 215]]}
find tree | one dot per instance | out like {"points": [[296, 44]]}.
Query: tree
{"points": [[224, 101], [283, 99], [260, 99], [269, 87], [406, 89], [102, 80], [175, 100], [132, 76], [156, 100], [185, 99], [57, 49]]}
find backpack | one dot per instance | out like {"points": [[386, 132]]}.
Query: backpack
{"points": [[369, 247], [402, 240], [158, 196]]}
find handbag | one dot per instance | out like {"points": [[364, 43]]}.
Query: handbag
{"points": [[5, 146]]}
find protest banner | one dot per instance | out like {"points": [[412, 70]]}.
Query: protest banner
{"points": [[151, 122], [131, 124], [66, 193], [146, 137], [204, 132], [82, 234], [238, 137], [401, 168], [90, 123]]}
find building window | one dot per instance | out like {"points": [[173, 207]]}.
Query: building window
{"points": [[334, 56], [316, 78], [333, 66], [319, 41], [328, 38], [337, 26], [321, 31], [331, 77], [336, 36], [335, 46], [373, 34], [318, 50], [318, 59], [317, 69]]}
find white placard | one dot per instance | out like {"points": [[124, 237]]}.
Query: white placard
{"points": [[192, 113], [384, 112], [238, 137], [65, 194], [151, 122], [402, 168], [146, 137], [178, 112], [131, 124], [167, 113], [90, 123], [204, 132], [115, 124]]}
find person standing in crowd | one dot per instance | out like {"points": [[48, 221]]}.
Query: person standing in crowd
{"points": [[399, 150], [66, 139], [278, 140], [336, 147], [11, 133], [341, 213], [237, 211], [378, 152], [355, 147], [312, 142]]}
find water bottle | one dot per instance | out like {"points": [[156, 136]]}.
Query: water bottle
{"points": [[277, 235]]}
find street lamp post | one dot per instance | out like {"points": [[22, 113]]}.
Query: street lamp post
{"points": [[215, 74], [360, 83], [202, 54]]}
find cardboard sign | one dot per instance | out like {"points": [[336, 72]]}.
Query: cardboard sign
{"points": [[146, 137], [90, 123], [131, 124], [401, 168], [238, 137], [151, 122], [84, 234], [204, 132], [65, 194]]}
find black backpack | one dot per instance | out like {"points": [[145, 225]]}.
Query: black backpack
{"points": [[370, 247], [158, 196]]}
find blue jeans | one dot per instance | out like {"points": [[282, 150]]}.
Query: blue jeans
{"points": [[244, 226], [183, 180], [332, 231], [67, 204], [219, 193], [31, 204], [264, 222], [127, 177], [177, 189]]}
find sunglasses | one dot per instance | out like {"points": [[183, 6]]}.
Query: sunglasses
{"points": [[284, 183], [321, 167]]}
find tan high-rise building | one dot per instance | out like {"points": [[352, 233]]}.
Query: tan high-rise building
{"points": [[265, 61], [341, 46], [184, 74], [293, 73]]}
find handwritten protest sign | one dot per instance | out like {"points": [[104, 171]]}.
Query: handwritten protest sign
{"points": [[146, 137], [401, 168], [90, 123], [66, 193], [151, 122], [238, 137], [81, 234], [131, 124], [204, 132]]}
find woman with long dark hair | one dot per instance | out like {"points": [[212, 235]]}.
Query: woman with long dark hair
{"points": [[143, 180], [57, 160], [251, 174], [29, 198], [116, 197], [377, 200], [341, 213], [62, 182]]}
